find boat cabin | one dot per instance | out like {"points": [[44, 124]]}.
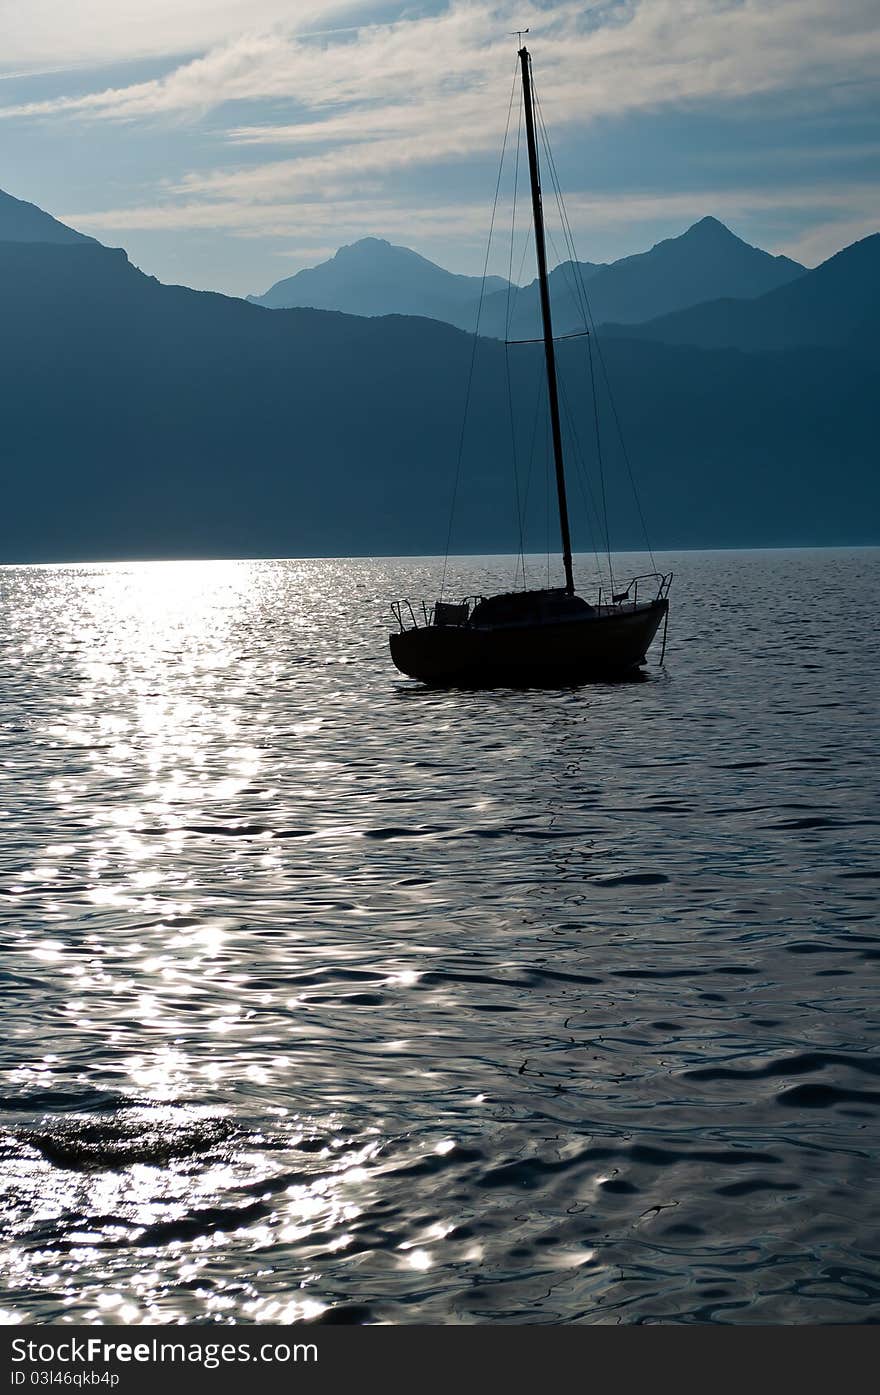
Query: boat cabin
{"points": [[529, 608]]}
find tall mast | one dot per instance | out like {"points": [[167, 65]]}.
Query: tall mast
{"points": [[549, 350]]}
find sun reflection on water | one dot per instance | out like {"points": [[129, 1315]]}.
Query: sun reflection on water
{"points": [[324, 992]]}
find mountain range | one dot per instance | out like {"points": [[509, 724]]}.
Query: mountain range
{"points": [[837, 304], [373, 277], [140, 419]]}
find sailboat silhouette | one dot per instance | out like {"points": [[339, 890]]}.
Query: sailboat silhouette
{"points": [[544, 635]]}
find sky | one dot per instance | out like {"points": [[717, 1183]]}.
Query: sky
{"points": [[228, 143]]}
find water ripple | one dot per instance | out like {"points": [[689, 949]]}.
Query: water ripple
{"points": [[330, 998]]}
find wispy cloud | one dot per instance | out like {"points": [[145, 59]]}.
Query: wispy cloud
{"points": [[605, 58], [43, 35], [828, 235], [429, 88], [467, 221]]}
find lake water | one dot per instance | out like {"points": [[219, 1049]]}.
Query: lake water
{"points": [[327, 995]]}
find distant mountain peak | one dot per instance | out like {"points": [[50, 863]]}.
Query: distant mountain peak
{"points": [[710, 232], [367, 242], [376, 277], [363, 244], [709, 227], [372, 250]]}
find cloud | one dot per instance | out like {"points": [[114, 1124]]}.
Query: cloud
{"points": [[326, 223], [605, 58], [437, 82], [830, 234], [283, 219], [43, 35], [349, 110]]}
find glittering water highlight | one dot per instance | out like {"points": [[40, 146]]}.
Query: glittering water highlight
{"points": [[327, 996]]}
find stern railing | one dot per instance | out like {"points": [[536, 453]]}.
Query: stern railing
{"points": [[629, 597]]}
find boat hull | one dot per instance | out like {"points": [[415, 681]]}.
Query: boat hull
{"points": [[602, 645]]}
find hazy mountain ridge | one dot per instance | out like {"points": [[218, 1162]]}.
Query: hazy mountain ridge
{"points": [[705, 262], [140, 419], [375, 277], [837, 304]]}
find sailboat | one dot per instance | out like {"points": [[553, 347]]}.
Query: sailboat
{"points": [[534, 636]]}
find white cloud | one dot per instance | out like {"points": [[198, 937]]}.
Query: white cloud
{"points": [[830, 234], [426, 89], [283, 219], [604, 58], [593, 217], [43, 34], [433, 88]]}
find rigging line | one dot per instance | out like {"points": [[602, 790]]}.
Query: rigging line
{"points": [[476, 340], [580, 477], [600, 460], [625, 453], [587, 313], [532, 444], [599, 456], [564, 219], [569, 241], [572, 267], [529, 472], [579, 334], [601, 465], [568, 236], [582, 474], [513, 221], [599, 516], [517, 290], [590, 322], [519, 512], [513, 287], [603, 529], [538, 398], [514, 461], [593, 332], [575, 265], [522, 262], [563, 265], [517, 285], [591, 508], [547, 478], [573, 291]]}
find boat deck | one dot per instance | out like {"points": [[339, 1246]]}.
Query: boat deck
{"points": [[514, 609]]}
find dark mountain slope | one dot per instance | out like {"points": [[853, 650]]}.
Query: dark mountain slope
{"points": [[837, 304], [24, 222], [372, 277], [705, 262], [145, 420]]}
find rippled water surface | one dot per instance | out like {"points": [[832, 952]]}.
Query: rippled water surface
{"points": [[327, 996]]}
